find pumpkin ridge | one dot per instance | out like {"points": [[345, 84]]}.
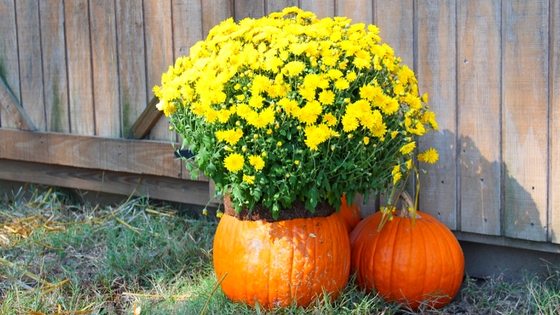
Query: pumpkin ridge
{"points": [[395, 243], [268, 297], [437, 296], [424, 251], [375, 247]]}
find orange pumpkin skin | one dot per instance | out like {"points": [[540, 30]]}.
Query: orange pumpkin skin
{"points": [[415, 264], [349, 214], [279, 263]]}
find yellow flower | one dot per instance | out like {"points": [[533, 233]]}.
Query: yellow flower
{"points": [[309, 113], [329, 119], [249, 179], [366, 140], [397, 175], [407, 148], [294, 68], [341, 84], [429, 156], [257, 162], [230, 136], [315, 135], [234, 162], [326, 97], [349, 123]]}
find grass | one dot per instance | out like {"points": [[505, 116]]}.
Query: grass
{"points": [[60, 256]]}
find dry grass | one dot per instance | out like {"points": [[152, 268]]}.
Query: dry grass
{"points": [[61, 256]]}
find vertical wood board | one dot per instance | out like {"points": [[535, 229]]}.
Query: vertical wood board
{"points": [[214, 12], [9, 65], [322, 8], [554, 189], [159, 53], [278, 5], [360, 11], [132, 59], [248, 9], [105, 68], [78, 51], [479, 74], [187, 25], [54, 65], [396, 22], [30, 64], [525, 101], [437, 76]]}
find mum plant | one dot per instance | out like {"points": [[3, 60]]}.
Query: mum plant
{"points": [[289, 108]]}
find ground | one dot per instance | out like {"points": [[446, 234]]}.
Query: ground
{"points": [[61, 255]]}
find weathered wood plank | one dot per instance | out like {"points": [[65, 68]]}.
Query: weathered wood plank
{"points": [[105, 68], [525, 101], [396, 21], [132, 62], [248, 8], [30, 66], [213, 12], [9, 64], [78, 51], [149, 117], [164, 188], [437, 76], [159, 54], [119, 155], [479, 74], [54, 65], [187, 25], [278, 5], [360, 11], [13, 111], [322, 8], [554, 188]]}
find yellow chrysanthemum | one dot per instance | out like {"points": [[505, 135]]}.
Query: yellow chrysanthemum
{"points": [[234, 162], [407, 148], [397, 175], [315, 135], [230, 136], [249, 179], [326, 97], [294, 68], [257, 162], [430, 156]]}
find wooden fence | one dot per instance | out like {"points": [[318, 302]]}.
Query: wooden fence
{"points": [[79, 75]]}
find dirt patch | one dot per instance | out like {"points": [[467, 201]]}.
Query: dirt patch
{"points": [[297, 211]]}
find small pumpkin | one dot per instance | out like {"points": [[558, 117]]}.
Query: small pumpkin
{"points": [[349, 214], [413, 263], [279, 263]]}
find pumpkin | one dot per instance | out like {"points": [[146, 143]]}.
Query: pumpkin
{"points": [[412, 263], [277, 264], [349, 214]]}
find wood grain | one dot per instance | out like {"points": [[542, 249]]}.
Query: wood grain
{"points": [[360, 11], [78, 51], [9, 64], [213, 12], [479, 74], [147, 120], [187, 25], [248, 8], [132, 62], [120, 155], [396, 21], [322, 8], [54, 65], [105, 68], [437, 76], [12, 109], [554, 184], [524, 131], [30, 66], [159, 54], [164, 188], [278, 5]]}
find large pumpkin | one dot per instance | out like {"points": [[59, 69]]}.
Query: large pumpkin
{"points": [[413, 263], [349, 214], [279, 263]]}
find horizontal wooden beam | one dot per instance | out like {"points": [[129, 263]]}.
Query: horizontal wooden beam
{"points": [[146, 121], [118, 155], [155, 187], [507, 242], [13, 108]]}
